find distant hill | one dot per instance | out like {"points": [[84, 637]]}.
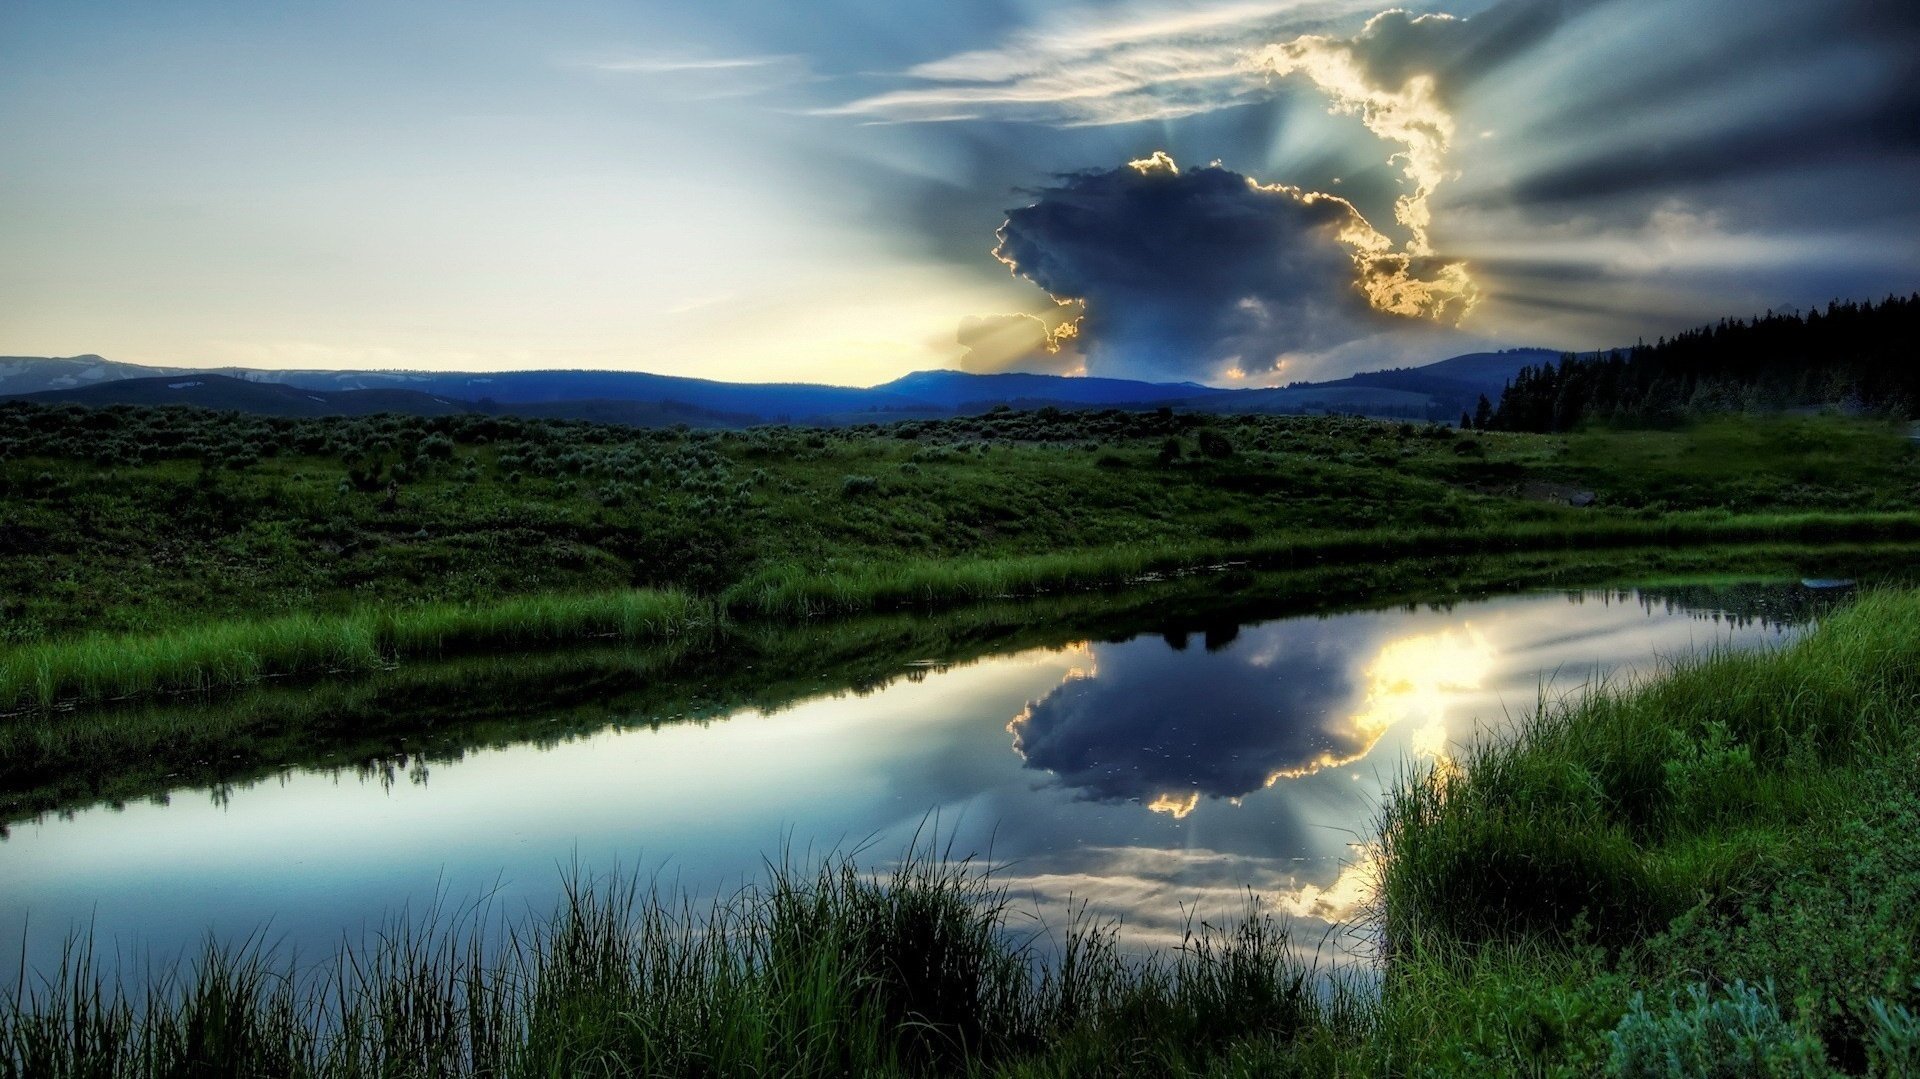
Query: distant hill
{"points": [[609, 396], [32, 374], [1487, 372], [962, 390], [225, 392], [1435, 392], [1439, 391], [229, 393], [770, 401]]}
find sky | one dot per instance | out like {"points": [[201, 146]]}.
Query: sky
{"points": [[1237, 192]]}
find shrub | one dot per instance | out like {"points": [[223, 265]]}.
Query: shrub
{"points": [[855, 486], [1894, 1045], [1741, 1036]]}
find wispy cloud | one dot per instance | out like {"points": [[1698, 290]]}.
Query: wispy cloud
{"points": [[1163, 894], [1087, 69], [698, 77], [670, 65], [1409, 113]]}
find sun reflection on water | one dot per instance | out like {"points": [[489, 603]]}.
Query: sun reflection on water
{"points": [[1411, 679]]}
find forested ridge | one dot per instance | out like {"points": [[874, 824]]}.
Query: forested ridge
{"points": [[1858, 356]]}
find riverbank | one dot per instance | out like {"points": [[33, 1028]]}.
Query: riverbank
{"points": [[1741, 836], [222, 654], [685, 660], [793, 593], [1716, 868]]}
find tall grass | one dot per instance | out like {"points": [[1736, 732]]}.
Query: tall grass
{"points": [[802, 592], [1623, 807], [206, 655], [224, 653], [822, 972]]}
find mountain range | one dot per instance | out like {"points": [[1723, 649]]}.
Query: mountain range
{"points": [[1437, 391]]}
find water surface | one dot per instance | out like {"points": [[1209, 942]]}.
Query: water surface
{"points": [[1156, 777]]}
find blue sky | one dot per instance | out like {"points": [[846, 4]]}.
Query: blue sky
{"points": [[812, 192]]}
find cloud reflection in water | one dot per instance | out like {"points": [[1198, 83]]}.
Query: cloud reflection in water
{"points": [[1145, 722]]}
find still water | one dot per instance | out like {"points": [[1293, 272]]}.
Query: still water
{"points": [[1154, 778]]}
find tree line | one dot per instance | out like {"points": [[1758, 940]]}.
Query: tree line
{"points": [[1859, 356]]}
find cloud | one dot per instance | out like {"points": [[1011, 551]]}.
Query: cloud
{"points": [[691, 77], [1092, 69], [1545, 143], [1020, 343], [1735, 91], [1371, 75], [1283, 701], [1132, 731], [667, 65], [1198, 272], [1162, 895]]}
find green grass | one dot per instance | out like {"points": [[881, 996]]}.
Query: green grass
{"points": [[1745, 818], [1630, 802], [1591, 894], [796, 592], [161, 549], [140, 520], [822, 972], [103, 666], [1811, 461]]}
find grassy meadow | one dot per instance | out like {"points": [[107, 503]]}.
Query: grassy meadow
{"points": [[163, 549], [1710, 873]]}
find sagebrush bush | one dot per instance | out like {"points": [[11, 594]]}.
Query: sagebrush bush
{"points": [[1740, 1035]]}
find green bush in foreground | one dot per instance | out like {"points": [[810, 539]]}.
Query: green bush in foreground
{"points": [[1738, 1036]]}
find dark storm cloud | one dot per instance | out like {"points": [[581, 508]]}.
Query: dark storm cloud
{"points": [[1734, 92], [1543, 147], [1832, 134], [1787, 84], [1193, 273], [1155, 721]]}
